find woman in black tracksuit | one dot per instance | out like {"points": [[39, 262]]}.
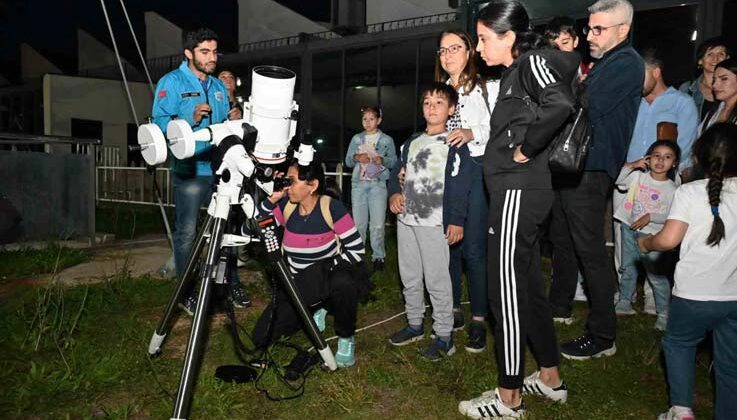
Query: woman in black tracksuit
{"points": [[535, 99]]}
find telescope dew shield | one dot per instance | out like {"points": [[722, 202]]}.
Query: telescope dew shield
{"points": [[152, 144], [271, 109]]}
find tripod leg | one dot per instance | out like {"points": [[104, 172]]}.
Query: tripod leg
{"points": [[154, 346], [194, 346]]}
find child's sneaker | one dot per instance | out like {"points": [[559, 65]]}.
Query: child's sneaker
{"points": [[624, 308], [319, 317], [346, 355], [439, 349], [677, 413], [476, 337], [490, 405], [535, 386], [406, 336]]}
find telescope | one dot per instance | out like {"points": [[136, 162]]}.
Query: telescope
{"points": [[243, 150]]}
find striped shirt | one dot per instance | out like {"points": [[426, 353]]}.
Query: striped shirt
{"points": [[308, 239]]}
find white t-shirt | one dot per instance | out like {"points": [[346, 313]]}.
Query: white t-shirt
{"points": [[705, 272]]}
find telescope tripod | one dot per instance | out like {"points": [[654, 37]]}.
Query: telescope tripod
{"points": [[212, 271]]}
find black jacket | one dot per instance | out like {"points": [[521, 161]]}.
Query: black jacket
{"points": [[535, 98], [614, 92]]}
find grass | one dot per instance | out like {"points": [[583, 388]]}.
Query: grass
{"points": [[90, 362], [30, 262]]}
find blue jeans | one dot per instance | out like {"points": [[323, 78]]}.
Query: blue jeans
{"points": [[190, 193], [657, 266], [688, 323], [473, 247], [369, 210]]}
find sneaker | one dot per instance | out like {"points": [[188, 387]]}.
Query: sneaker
{"points": [[378, 265], [406, 336], [189, 305], [319, 317], [580, 295], [346, 355], [458, 322], [565, 320], [533, 385], [661, 322], [623, 308], [476, 337], [239, 297], [438, 349], [586, 347], [301, 363], [490, 405], [677, 413]]}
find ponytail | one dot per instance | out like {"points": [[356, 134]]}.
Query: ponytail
{"points": [[714, 188]]}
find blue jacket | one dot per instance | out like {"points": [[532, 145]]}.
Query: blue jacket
{"points": [[457, 186], [613, 90], [177, 94], [384, 147]]}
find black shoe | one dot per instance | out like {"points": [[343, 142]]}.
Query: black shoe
{"points": [[587, 347], [189, 305], [378, 265], [476, 337], [239, 297], [301, 363], [458, 322]]}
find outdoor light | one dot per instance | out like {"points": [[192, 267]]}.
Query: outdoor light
{"points": [[237, 81], [319, 141], [359, 87], [693, 37]]}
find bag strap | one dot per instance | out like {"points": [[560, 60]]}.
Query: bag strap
{"points": [[485, 94], [324, 209]]}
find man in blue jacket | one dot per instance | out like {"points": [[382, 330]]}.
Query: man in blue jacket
{"points": [[613, 89], [191, 93]]}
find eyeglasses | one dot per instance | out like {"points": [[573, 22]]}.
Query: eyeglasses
{"points": [[452, 49], [597, 30]]}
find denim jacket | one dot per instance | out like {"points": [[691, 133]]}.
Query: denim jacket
{"points": [[692, 89], [384, 147]]}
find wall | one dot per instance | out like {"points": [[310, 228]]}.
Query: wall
{"points": [[67, 97]]}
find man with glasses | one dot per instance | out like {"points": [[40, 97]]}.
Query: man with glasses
{"points": [[613, 89]]}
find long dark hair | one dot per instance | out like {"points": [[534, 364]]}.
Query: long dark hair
{"points": [[715, 153], [730, 65], [511, 15], [469, 75], [315, 172]]}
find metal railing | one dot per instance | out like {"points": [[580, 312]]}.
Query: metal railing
{"points": [[132, 185]]}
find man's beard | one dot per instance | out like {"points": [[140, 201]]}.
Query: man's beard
{"points": [[200, 66], [596, 52]]}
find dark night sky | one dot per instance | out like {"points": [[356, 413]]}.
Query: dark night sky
{"points": [[50, 26]]}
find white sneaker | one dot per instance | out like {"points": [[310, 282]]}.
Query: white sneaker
{"points": [[533, 385], [489, 405], [565, 320], [677, 413], [580, 294]]}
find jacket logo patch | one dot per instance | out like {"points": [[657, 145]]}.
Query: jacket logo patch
{"points": [[162, 94], [219, 96], [190, 94]]}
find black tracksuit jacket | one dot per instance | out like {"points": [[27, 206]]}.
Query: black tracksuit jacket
{"points": [[535, 98]]}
